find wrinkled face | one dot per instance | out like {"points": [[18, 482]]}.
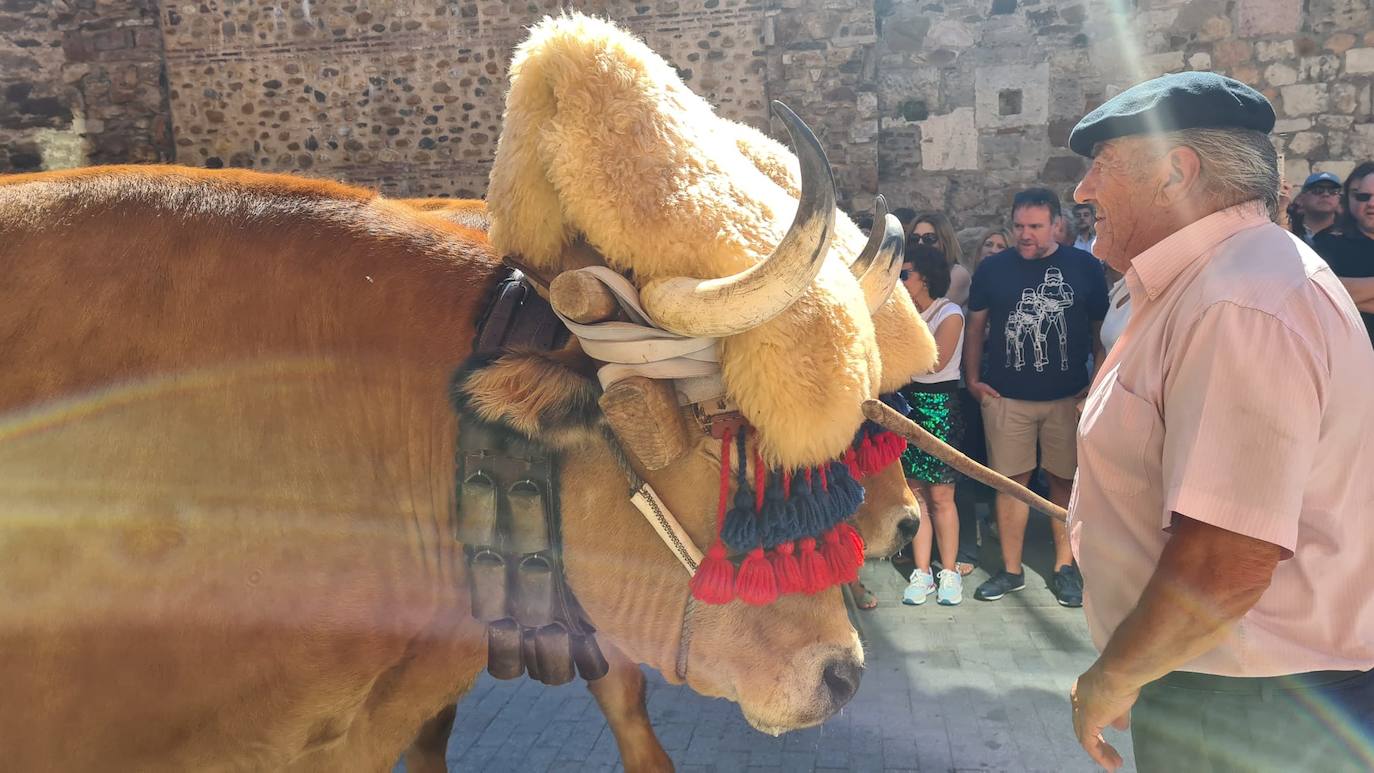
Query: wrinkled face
{"points": [[1362, 204], [1322, 199], [1120, 189], [1033, 228], [993, 244]]}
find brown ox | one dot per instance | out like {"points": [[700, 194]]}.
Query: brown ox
{"points": [[621, 693], [226, 472]]}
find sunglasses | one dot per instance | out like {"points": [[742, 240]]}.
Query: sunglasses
{"points": [[1362, 197], [1325, 191], [905, 274], [926, 239]]}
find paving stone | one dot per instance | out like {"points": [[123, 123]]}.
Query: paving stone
{"points": [[978, 687]]}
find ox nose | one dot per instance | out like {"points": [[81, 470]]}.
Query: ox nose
{"points": [[842, 679], [907, 528]]}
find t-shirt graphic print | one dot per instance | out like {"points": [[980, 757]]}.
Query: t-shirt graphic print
{"points": [[1039, 315]]}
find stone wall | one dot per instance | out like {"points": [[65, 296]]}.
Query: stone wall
{"points": [[940, 104], [82, 82], [977, 97]]}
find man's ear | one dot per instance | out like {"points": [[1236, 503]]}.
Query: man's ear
{"points": [[1183, 173]]}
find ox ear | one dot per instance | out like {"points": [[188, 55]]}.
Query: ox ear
{"points": [[548, 397]]}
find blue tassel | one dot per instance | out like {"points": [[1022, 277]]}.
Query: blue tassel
{"points": [[806, 505], [741, 530], [779, 515]]}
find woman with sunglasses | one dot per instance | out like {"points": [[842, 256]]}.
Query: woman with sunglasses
{"points": [[933, 229], [935, 405]]}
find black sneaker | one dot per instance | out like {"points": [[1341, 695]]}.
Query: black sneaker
{"points": [[1001, 584], [1067, 585]]}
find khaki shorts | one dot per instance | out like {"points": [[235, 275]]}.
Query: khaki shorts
{"points": [[1013, 427]]}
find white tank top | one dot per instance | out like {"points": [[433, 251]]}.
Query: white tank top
{"points": [[939, 311], [1117, 315]]}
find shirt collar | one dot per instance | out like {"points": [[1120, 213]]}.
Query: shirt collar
{"points": [[1156, 268]]}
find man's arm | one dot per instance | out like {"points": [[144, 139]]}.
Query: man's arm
{"points": [[1361, 290], [975, 331], [1206, 580]]}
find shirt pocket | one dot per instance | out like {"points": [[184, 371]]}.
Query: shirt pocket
{"points": [[1116, 434]]}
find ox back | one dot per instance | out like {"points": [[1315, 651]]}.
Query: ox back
{"points": [[226, 456]]}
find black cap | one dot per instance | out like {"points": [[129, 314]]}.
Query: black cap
{"points": [[1185, 100]]}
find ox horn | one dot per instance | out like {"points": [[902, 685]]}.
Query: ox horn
{"points": [[881, 276], [716, 308], [875, 238]]}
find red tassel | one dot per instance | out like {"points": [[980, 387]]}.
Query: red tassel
{"points": [[851, 460], [840, 558], [850, 536], [816, 575], [714, 580], [869, 461], [786, 569], [756, 585]]}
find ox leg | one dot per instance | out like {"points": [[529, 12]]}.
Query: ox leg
{"points": [[426, 753], [620, 693]]}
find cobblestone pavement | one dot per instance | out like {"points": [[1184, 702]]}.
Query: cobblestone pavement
{"points": [[978, 687]]}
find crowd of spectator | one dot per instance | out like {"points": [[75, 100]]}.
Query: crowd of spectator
{"points": [[1023, 318]]}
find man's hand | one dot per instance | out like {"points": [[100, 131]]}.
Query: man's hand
{"points": [[982, 391], [1097, 702]]}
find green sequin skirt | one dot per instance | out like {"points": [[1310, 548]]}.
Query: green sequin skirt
{"points": [[940, 414]]}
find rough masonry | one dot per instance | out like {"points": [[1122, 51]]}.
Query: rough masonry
{"points": [[948, 105]]}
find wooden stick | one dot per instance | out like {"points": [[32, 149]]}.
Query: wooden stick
{"points": [[581, 298], [915, 434]]}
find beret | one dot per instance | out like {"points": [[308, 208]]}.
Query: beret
{"points": [[1185, 100]]}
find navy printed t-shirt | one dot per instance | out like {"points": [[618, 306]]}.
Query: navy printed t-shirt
{"points": [[1040, 315]]}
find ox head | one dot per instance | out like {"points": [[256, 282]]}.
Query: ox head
{"points": [[607, 159]]}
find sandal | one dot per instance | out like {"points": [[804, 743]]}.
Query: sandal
{"points": [[964, 569]]}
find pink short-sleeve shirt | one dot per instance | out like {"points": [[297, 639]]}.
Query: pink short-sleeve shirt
{"points": [[1240, 394]]}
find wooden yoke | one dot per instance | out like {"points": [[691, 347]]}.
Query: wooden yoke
{"points": [[643, 412]]}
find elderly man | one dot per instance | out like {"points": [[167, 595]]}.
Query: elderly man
{"points": [[1222, 511]]}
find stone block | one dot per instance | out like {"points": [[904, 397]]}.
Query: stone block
{"points": [[1321, 68], [948, 33], [1257, 18], [1064, 169], [1361, 141], [1229, 53], [1011, 95], [1290, 125], [1272, 50], [1200, 61], [950, 141], [1339, 168], [1345, 97], [1305, 99], [1359, 61], [1155, 65], [1340, 42], [1305, 143], [1280, 74]]}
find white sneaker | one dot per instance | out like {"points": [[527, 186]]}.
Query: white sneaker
{"points": [[951, 589], [922, 584]]}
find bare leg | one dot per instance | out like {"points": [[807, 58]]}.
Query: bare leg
{"points": [[946, 517], [920, 544], [426, 753], [620, 693], [1011, 526], [1059, 494]]}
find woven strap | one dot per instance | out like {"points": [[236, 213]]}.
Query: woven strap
{"points": [[639, 348]]}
